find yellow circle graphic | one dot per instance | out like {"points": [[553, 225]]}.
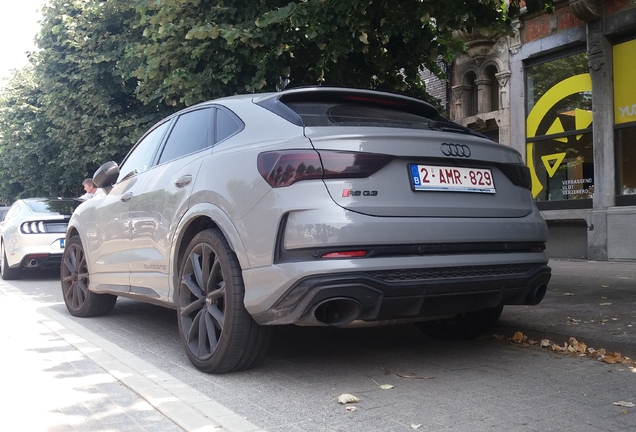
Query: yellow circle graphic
{"points": [[569, 86]]}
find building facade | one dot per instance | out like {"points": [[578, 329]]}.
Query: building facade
{"points": [[562, 91]]}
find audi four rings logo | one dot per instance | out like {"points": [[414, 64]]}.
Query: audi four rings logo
{"points": [[459, 150]]}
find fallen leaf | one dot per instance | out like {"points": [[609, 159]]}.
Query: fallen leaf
{"points": [[604, 304], [559, 348], [518, 337], [416, 426], [610, 360], [624, 404], [346, 398], [351, 408], [545, 343], [383, 386], [574, 345]]}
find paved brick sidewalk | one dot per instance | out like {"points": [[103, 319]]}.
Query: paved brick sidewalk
{"points": [[57, 375], [48, 385]]}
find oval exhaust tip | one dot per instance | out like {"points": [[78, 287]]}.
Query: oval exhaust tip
{"points": [[537, 295], [337, 311]]}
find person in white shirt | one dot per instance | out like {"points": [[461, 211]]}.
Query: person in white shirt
{"points": [[90, 188]]}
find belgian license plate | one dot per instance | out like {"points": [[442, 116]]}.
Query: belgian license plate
{"points": [[62, 243], [452, 179]]}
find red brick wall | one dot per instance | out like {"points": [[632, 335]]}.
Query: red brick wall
{"points": [[542, 25], [610, 7]]}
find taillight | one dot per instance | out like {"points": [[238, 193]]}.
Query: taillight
{"points": [[33, 227], [286, 167], [345, 254], [518, 174]]}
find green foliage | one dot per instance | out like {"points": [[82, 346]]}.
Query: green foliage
{"points": [[196, 50], [26, 151], [93, 112], [107, 69]]}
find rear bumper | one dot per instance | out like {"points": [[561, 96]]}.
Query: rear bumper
{"points": [[412, 293], [41, 260], [43, 248]]}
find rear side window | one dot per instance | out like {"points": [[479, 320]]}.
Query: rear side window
{"points": [[189, 135], [225, 125], [352, 114]]}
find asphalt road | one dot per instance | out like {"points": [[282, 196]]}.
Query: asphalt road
{"points": [[480, 385]]}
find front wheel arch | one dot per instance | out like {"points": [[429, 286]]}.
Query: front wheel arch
{"points": [[75, 280]]}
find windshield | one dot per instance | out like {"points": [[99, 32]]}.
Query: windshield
{"points": [[60, 206]]}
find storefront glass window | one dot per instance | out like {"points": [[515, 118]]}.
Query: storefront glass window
{"points": [[624, 55], [559, 129], [626, 157]]}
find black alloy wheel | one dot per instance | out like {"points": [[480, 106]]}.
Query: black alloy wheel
{"points": [[7, 272], [74, 275], [462, 326], [218, 333]]}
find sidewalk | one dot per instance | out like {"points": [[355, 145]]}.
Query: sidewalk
{"points": [[104, 388], [35, 398], [592, 301]]}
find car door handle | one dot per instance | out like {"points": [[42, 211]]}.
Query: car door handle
{"points": [[126, 197], [183, 181]]}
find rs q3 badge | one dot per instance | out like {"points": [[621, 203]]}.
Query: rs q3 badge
{"points": [[352, 193]]}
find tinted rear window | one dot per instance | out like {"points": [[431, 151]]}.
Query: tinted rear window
{"points": [[61, 207], [351, 114]]}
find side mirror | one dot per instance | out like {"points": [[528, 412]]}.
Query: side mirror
{"points": [[106, 175]]}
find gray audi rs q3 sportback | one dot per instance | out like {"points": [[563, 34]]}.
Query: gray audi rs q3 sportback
{"points": [[311, 206]]}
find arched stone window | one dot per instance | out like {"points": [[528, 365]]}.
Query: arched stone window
{"points": [[472, 95], [491, 72]]}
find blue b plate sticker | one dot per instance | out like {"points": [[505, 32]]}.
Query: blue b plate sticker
{"points": [[62, 243]]}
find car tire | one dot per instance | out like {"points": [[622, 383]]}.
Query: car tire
{"points": [[74, 275], [218, 333], [463, 326], [7, 272]]}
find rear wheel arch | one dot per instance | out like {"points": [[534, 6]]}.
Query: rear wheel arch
{"points": [[8, 273], [217, 332], [202, 221], [71, 231]]}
